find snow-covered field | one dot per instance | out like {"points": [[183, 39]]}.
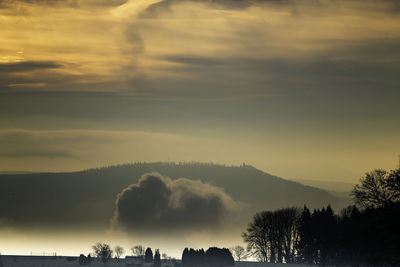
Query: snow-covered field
{"points": [[263, 264], [60, 261], [57, 261]]}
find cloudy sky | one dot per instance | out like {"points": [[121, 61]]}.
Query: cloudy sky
{"points": [[301, 89]]}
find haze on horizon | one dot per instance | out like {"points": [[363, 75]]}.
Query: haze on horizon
{"points": [[164, 205]]}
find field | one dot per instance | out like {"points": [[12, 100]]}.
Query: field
{"points": [[62, 261]]}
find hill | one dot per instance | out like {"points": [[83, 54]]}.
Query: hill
{"points": [[331, 186], [86, 198]]}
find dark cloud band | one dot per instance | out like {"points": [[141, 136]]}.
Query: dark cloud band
{"points": [[70, 3], [27, 66]]}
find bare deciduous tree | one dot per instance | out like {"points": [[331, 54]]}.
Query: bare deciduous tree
{"points": [[378, 188], [118, 250], [239, 253], [272, 235], [137, 250], [256, 236], [102, 251]]}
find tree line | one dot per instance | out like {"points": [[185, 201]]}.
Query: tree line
{"points": [[366, 233], [104, 253], [213, 257]]}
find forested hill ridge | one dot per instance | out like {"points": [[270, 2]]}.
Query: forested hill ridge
{"points": [[88, 197]]}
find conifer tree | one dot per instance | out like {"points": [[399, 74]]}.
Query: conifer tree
{"points": [[148, 255]]}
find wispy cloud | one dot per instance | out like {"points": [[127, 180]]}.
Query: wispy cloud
{"points": [[188, 47]]}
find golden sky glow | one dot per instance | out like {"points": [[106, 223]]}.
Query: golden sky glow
{"points": [[301, 89]]}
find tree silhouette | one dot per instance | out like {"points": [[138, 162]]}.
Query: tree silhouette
{"points": [[305, 245], [194, 258], [102, 251], [394, 183], [219, 257], [83, 260], [213, 257], [325, 232], [157, 259], [287, 224], [272, 235], [185, 255], [239, 253], [118, 250], [256, 236], [377, 189], [148, 256], [137, 250]]}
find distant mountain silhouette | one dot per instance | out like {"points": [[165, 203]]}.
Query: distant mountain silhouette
{"points": [[87, 198]]}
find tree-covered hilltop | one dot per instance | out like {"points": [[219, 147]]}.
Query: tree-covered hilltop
{"points": [[88, 197]]}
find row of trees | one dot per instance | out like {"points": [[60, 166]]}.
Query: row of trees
{"points": [[213, 257], [354, 237], [104, 252], [367, 236], [317, 236], [148, 255], [139, 250]]}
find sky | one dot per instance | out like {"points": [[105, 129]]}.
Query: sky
{"points": [[305, 90], [301, 89]]}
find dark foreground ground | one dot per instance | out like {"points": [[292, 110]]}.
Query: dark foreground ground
{"points": [[64, 261]]}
